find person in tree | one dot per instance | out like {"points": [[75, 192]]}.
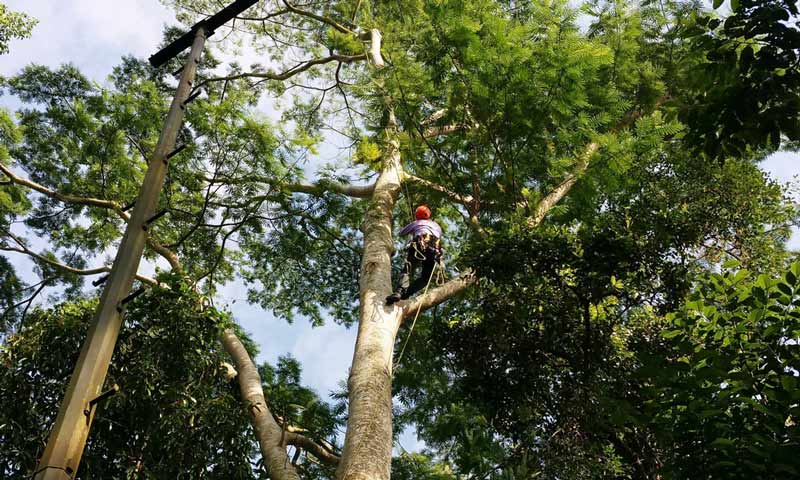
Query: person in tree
{"points": [[424, 250]]}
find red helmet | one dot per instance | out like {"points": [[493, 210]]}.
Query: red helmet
{"points": [[422, 212]]}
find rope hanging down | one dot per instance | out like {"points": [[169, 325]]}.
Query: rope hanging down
{"points": [[419, 308]]}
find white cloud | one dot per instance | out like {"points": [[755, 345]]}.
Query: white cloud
{"points": [[784, 167], [92, 34]]}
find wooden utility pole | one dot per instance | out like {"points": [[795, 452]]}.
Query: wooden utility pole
{"points": [[65, 445], [64, 449]]}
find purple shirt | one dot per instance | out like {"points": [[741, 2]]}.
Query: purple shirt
{"points": [[421, 227]]}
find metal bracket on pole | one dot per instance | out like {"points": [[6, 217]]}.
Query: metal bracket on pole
{"points": [[107, 394], [100, 280], [129, 299], [191, 97], [177, 72], [128, 206], [152, 219], [174, 152]]}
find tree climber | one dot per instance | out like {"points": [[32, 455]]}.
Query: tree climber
{"points": [[423, 250]]}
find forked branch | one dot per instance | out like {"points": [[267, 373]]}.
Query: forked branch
{"points": [[323, 452], [267, 431], [556, 194]]}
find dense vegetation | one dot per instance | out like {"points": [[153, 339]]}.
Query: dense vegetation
{"points": [[619, 301]]}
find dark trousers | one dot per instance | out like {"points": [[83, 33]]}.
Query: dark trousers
{"points": [[416, 258]]}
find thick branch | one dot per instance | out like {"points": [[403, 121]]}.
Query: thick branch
{"points": [[439, 131], [556, 194], [323, 453], [318, 188], [328, 21], [375, 48], [433, 117], [267, 431], [76, 200], [302, 67], [322, 186], [439, 294]]}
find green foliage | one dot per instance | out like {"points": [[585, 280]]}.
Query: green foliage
{"points": [[174, 396], [545, 347], [11, 291], [745, 95], [415, 466], [13, 201], [83, 140], [13, 25], [724, 396]]}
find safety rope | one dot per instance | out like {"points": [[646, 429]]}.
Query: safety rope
{"points": [[419, 308]]}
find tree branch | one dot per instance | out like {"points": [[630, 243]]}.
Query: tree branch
{"points": [[439, 294], [302, 67], [439, 131], [375, 48], [75, 200], [322, 186], [323, 453], [23, 249], [267, 431], [328, 21], [168, 254], [465, 200], [556, 194], [433, 117], [318, 188]]}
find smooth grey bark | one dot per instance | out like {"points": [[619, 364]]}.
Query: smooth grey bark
{"points": [[267, 431], [367, 450]]}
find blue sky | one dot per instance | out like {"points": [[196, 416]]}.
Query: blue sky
{"points": [[94, 34]]}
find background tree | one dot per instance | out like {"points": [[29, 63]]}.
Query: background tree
{"points": [[554, 156], [13, 25], [179, 410], [744, 94], [723, 386]]}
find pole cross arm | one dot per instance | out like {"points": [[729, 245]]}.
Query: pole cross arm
{"points": [[210, 24]]}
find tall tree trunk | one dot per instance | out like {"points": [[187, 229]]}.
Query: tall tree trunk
{"points": [[267, 431], [367, 450]]}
